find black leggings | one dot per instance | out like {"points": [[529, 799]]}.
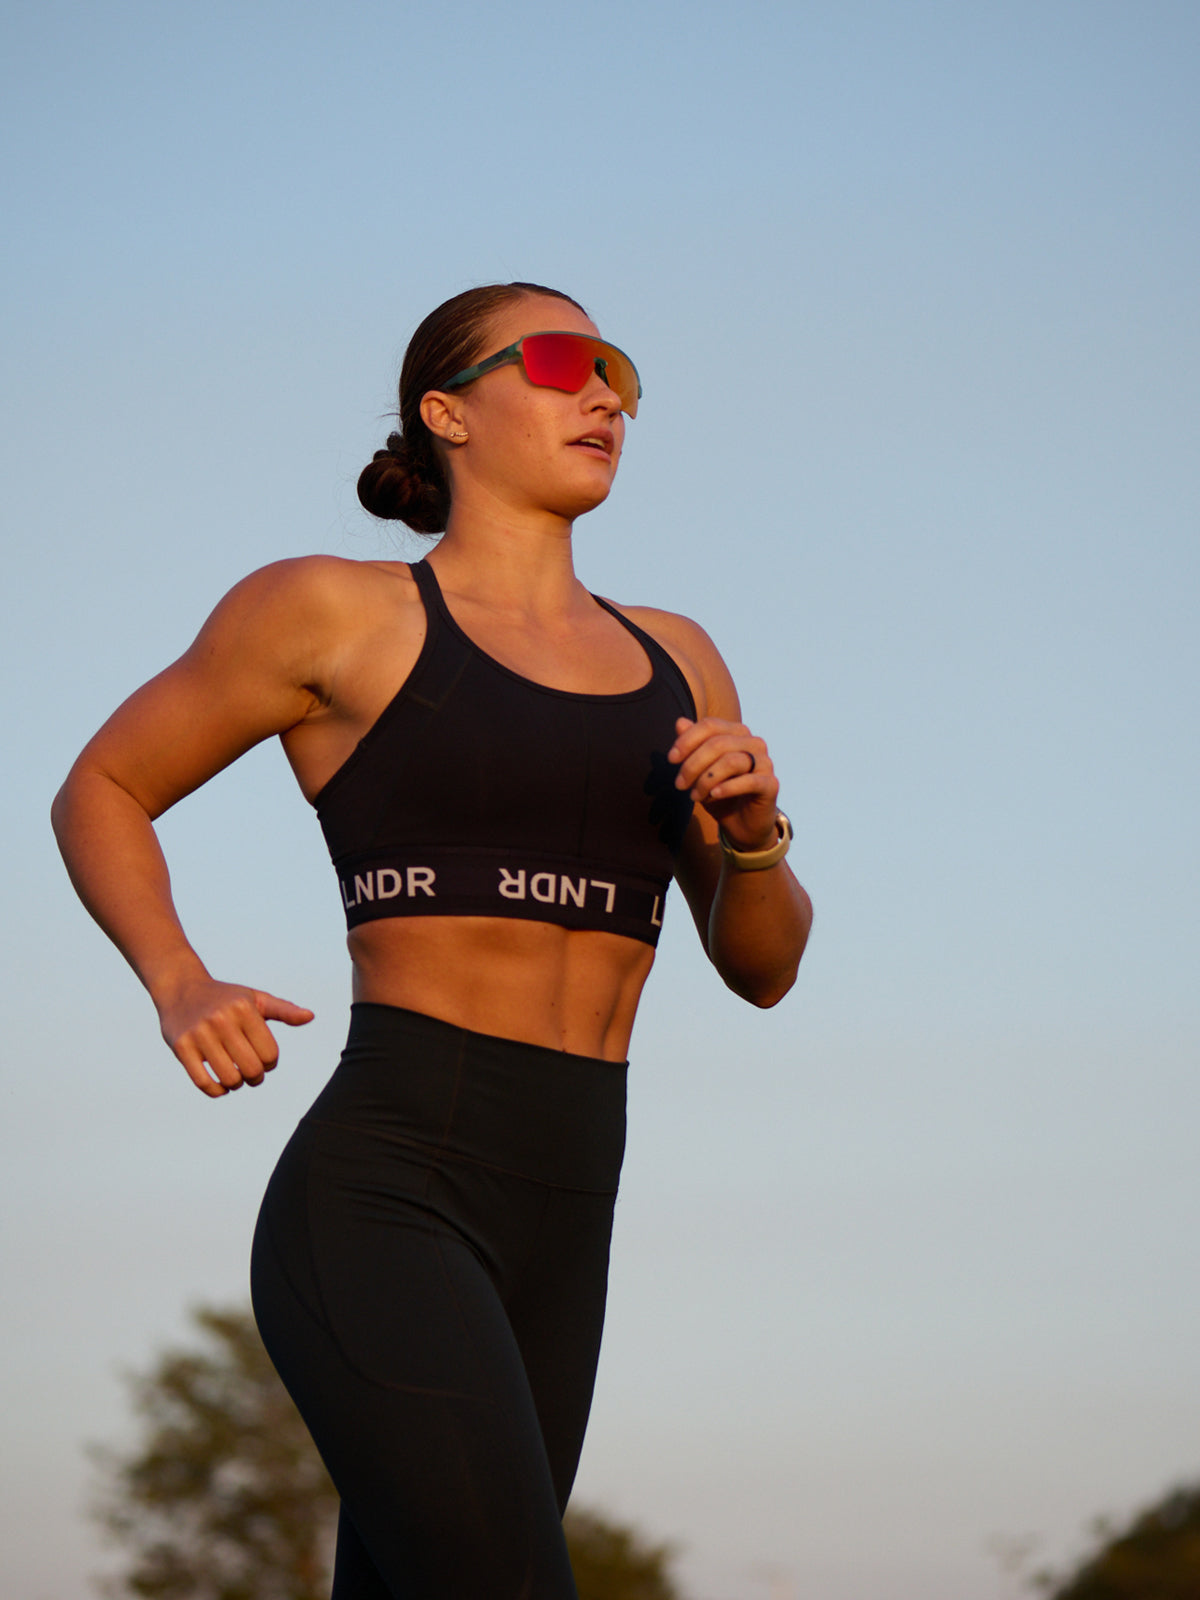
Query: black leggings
{"points": [[429, 1274]]}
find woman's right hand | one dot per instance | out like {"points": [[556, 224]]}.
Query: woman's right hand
{"points": [[219, 1032]]}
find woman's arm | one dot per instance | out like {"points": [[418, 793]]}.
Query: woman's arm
{"points": [[754, 925], [245, 678]]}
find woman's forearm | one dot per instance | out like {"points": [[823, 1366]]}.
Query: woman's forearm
{"points": [[219, 1031], [757, 929], [117, 867]]}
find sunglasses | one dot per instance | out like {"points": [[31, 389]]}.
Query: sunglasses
{"points": [[564, 361]]}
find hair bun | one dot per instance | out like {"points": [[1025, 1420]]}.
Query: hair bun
{"points": [[395, 486]]}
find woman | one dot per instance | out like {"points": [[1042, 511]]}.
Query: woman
{"points": [[507, 771]]}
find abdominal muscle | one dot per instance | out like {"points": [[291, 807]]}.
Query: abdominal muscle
{"points": [[565, 989]]}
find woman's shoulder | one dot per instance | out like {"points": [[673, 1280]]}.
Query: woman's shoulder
{"points": [[317, 577], [311, 589], [307, 618], [667, 625], [693, 652]]}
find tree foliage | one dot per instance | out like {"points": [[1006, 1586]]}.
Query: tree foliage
{"points": [[1157, 1557], [614, 1563], [225, 1498]]}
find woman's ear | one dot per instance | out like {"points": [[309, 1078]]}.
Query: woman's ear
{"points": [[443, 417]]}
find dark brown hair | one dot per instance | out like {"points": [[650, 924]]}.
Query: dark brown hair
{"points": [[406, 482]]}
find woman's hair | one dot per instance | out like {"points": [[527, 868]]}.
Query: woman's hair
{"points": [[406, 482]]}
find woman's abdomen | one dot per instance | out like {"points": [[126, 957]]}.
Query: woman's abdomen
{"points": [[541, 984]]}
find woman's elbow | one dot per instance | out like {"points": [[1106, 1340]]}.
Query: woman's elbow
{"points": [[60, 808], [761, 990], [765, 978], [72, 811]]}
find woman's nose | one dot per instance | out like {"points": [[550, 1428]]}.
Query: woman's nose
{"points": [[604, 395]]}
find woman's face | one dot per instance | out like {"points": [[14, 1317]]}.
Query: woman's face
{"points": [[529, 449]]}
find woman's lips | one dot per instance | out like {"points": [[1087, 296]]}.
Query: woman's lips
{"points": [[600, 441]]}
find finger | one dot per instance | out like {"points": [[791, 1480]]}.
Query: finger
{"points": [[736, 754], [745, 765], [698, 734], [760, 784], [221, 1040], [220, 1063], [192, 1058], [746, 793], [248, 1041], [725, 769], [248, 1060], [689, 736], [254, 1048], [682, 724], [258, 1039], [277, 1010]]}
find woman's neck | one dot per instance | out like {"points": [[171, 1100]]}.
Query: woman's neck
{"points": [[513, 568]]}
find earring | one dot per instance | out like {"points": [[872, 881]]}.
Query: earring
{"points": [[457, 436]]}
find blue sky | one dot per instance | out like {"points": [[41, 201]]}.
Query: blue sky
{"points": [[905, 1266]]}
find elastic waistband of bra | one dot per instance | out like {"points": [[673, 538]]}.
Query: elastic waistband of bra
{"points": [[441, 880]]}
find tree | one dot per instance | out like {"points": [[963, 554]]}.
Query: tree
{"points": [[614, 1563], [1157, 1557], [225, 1498]]}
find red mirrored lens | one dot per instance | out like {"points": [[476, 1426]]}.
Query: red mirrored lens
{"points": [[567, 360], [558, 360]]}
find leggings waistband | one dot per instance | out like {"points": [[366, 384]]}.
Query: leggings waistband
{"points": [[542, 1114]]}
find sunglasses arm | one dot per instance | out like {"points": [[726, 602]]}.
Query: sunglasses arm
{"points": [[469, 374]]}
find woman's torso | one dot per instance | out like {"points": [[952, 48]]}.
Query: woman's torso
{"points": [[467, 724]]}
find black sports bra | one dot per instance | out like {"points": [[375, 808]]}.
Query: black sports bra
{"points": [[480, 793]]}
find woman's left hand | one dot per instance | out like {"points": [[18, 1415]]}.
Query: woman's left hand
{"points": [[728, 770]]}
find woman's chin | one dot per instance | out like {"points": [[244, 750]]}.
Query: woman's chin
{"points": [[580, 498]]}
